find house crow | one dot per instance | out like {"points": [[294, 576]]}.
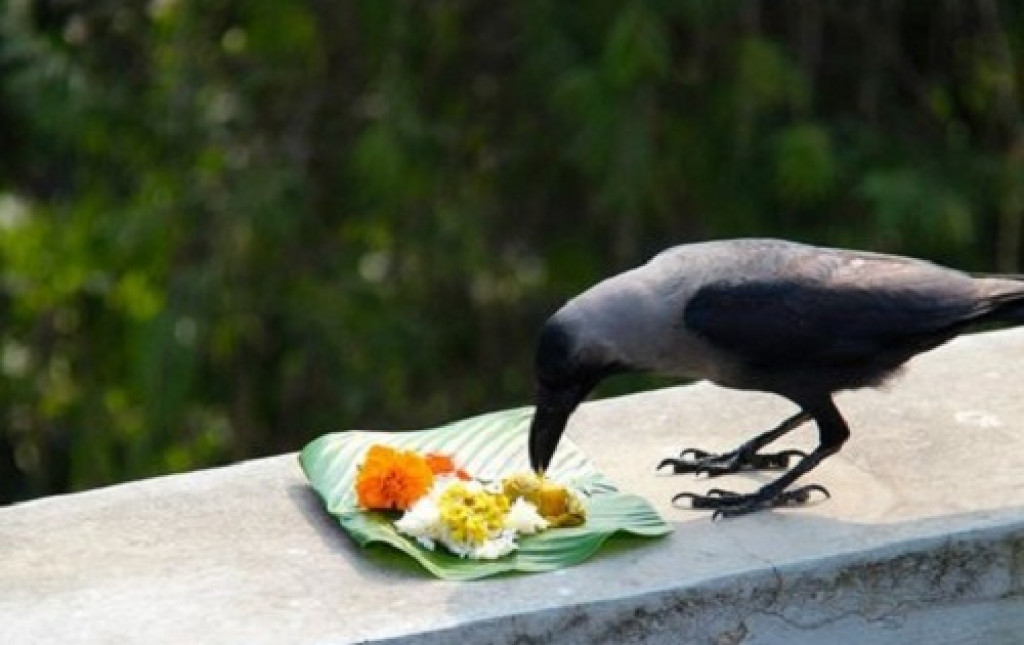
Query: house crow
{"points": [[767, 315]]}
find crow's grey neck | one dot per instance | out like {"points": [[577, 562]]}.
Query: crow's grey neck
{"points": [[630, 320]]}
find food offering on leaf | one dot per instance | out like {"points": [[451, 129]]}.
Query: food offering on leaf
{"points": [[557, 504], [444, 505]]}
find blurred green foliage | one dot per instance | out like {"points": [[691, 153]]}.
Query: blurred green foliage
{"points": [[227, 226]]}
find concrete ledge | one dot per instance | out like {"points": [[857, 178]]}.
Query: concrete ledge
{"points": [[899, 593], [923, 540]]}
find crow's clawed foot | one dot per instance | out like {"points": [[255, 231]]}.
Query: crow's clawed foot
{"points": [[729, 504], [697, 461]]}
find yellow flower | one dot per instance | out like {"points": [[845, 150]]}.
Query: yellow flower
{"points": [[472, 516]]}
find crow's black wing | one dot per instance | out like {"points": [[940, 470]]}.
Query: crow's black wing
{"points": [[847, 314]]}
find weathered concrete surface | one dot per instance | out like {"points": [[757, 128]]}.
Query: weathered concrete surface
{"points": [[923, 540]]}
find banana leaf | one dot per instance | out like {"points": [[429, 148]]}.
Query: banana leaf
{"points": [[489, 447]]}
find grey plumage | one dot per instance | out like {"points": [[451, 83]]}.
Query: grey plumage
{"points": [[769, 315]]}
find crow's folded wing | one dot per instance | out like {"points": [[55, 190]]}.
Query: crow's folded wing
{"points": [[832, 318]]}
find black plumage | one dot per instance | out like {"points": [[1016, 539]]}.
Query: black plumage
{"points": [[796, 320]]}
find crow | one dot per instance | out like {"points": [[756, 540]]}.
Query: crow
{"points": [[791, 319]]}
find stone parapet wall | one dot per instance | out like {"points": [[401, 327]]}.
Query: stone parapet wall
{"points": [[922, 541]]}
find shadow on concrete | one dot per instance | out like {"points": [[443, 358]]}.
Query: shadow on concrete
{"points": [[374, 560]]}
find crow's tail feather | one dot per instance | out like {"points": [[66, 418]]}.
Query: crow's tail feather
{"points": [[1008, 311], [1016, 277], [1013, 315]]}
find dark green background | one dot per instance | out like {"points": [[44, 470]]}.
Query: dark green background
{"points": [[229, 226]]}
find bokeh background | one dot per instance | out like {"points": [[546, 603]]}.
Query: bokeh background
{"points": [[227, 226]]}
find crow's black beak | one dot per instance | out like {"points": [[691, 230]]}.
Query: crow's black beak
{"points": [[554, 405]]}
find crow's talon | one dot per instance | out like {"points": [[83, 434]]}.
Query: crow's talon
{"points": [[691, 460], [714, 467], [726, 503], [704, 465], [713, 499], [695, 500], [700, 462], [721, 494], [698, 454], [800, 496], [679, 466]]}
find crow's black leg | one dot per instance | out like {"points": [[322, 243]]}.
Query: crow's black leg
{"points": [[833, 433], [745, 457]]}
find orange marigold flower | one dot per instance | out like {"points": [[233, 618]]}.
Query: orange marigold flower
{"points": [[392, 479], [442, 464]]}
